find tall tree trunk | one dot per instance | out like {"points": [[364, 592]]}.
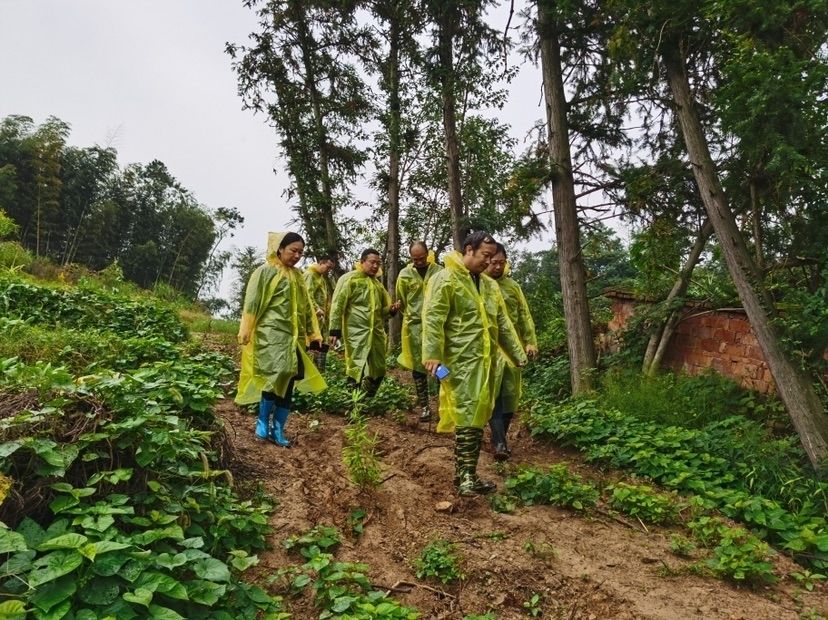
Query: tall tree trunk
{"points": [[756, 221], [573, 275], [392, 256], [326, 205], [795, 389], [447, 28], [657, 346]]}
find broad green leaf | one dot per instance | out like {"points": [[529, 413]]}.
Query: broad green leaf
{"points": [[205, 592], [109, 564], [32, 532], [341, 603], [192, 543], [63, 502], [105, 546], [212, 570], [112, 477], [65, 541], [56, 564], [50, 594], [12, 610], [11, 542], [167, 560], [163, 613], [56, 613], [8, 448], [241, 561], [19, 563], [100, 591], [172, 531], [140, 597], [155, 581]]}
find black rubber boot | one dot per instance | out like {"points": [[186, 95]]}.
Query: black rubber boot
{"points": [[421, 388], [507, 421], [498, 427], [466, 453]]}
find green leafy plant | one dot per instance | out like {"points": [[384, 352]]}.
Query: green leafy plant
{"points": [[541, 550], [356, 520], [680, 459], [340, 589], [681, 546], [439, 560], [807, 579], [359, 451], [533, 605], [557, 486], [642, 502]]}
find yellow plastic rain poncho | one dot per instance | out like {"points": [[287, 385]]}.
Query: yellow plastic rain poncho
{"points": [[280, 318], [359, 309], [463, 328], [411, 292], [318, 287], [518, 310]]}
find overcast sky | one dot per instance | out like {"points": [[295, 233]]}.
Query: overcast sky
{"points": [[150, 77]]}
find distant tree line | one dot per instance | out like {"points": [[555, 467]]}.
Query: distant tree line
{"points": [[77, 205]]}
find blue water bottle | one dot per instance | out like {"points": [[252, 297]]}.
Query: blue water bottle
{"points": [[441, 373]]}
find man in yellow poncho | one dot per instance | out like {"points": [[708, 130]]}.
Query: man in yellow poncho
{"points": [[278, 323], [359, 310], [511, 380], [464, 323], [320, 289], [411, 285]]}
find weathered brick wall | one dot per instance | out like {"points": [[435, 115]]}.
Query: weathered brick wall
{"points": [[721, 341], [706, 340]]}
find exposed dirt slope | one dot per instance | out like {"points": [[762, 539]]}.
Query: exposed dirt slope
{"points": [[600, 567]]}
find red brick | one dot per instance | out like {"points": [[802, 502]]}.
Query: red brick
{"points": [[734, 350], [719, 365], [709, 344], [740, 326], [724, 335]]}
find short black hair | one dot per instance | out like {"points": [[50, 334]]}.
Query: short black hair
{"points": [[501, 250], [324, 257], [476, 239], [419, 243], [289, 238], [368, 251]]}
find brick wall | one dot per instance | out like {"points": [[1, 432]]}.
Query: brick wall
{"points": [[705, 340]]}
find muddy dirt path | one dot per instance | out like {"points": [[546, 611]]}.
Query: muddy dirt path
{"points": [[589, 567]]}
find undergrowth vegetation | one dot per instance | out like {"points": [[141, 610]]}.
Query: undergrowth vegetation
{"points": [[117, 501], [734, 464]]}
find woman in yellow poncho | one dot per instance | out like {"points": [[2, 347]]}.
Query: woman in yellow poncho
{"points": [[510, 378], [464, 323], [359, 310], [319, 286], [278, 323], [411, 285]]}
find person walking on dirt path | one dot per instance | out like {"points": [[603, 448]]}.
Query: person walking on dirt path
{"points": [[464, 323], [359, 309], [411, 285], [278, 324], [510, 378], [319, 286]]}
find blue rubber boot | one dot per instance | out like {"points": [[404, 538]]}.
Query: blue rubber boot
{"points": [[279, 420], [263, 423]]}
